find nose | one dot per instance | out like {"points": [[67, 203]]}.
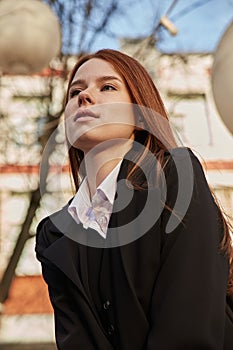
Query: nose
{"points": [[85, 98]]}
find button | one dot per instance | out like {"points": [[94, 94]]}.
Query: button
{"points": [[106, 305], [110, 329], [101, 220]]}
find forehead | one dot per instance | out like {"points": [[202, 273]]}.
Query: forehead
{"points": [[94, 68]]}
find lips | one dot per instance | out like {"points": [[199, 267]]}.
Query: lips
{"points": [[82, 113]]}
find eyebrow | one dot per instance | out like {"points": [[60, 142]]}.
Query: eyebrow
{"points": [[99, 80]]}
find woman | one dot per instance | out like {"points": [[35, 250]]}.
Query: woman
{"points": [[140, 258]]}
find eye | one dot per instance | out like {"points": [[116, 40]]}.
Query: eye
{"points": [[74, 92], [108, 87]]}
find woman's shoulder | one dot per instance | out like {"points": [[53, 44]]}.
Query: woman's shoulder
{"points": [[186, 189], [182, 154], [182, 165], [48, 229]]}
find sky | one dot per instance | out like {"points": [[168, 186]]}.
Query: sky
{"points": [[200, 24]]}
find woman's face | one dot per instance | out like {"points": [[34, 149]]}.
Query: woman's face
{"points": [[99, 106]]}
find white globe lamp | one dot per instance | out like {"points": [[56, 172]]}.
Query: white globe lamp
{"points": [[30, 36], [222, 77]]}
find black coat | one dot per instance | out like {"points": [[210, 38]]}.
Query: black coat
{"points": [[159, 291]]}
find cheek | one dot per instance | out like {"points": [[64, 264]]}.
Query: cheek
{"points": [[119, 113], [69, 127], [68, 109]]}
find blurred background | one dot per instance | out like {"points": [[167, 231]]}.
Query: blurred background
{"points": [[187, 47]]}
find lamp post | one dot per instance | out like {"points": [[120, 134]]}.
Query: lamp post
{"points": [[30, 37]]}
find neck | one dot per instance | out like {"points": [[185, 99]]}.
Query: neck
{"points": [[102, 160]]}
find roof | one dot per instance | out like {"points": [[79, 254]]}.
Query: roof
{"points": [[218, 164], [28, 295]]}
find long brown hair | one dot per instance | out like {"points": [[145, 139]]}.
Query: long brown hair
{"points": [[158, 140]]}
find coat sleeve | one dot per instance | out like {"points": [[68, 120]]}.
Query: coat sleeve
{"points": [[69, 327], [70, 330], [188, 302]]}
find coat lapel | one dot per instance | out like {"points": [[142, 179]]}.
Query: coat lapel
{"points": [[127, 224]]}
